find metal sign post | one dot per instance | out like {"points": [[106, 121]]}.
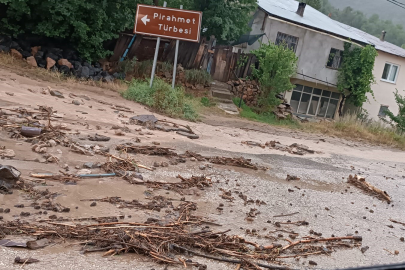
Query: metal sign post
{"points": [[175, 59], [156, 51]]}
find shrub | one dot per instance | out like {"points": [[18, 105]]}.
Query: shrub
{"points": [[277, 64], [398, 121], [162, 97], [206, 102], [197, 76]]}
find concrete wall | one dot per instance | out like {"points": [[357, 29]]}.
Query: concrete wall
{"points": [[383, 91]]}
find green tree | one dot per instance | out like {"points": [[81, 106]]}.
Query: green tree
{"points": [[85, 24], [356, 74], [227, 20], [277, 64], [398, 120], [88, 24]]}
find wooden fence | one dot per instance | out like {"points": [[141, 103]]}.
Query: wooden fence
{"points": [[220, 61]]}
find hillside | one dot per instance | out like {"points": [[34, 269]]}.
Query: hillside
{"points": [[384, 9]]}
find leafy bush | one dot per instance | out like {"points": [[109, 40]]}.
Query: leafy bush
{"points": [[398, 121], [277, 64], [356, 74], [207, 102], [197, 76], [127, 66], [162, 97]]}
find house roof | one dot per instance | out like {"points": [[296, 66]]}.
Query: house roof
{"points": [[378, 44], [314, 19]]}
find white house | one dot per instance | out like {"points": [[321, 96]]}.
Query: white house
{"points": [[318, 42]]}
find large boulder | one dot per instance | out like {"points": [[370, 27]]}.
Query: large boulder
{"points": [[85, 64], [64, 69], [31, 61], [40, 61], [76, 65], [4, 49], [26, 54], [108, 78], [16, 54], [83, 72], [52, 56], [50, 63], [65, 62], [35, 49], [14, 45]]}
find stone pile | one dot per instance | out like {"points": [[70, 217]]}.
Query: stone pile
{"points": [[248, 90], [66, 61], [284, 110]]}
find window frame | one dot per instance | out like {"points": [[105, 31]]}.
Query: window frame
{"points": [[329, 98], [281, 33], [380, 115], [340, 60], [389, 73]]}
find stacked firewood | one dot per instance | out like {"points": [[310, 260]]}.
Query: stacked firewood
{"points": [[248, 90]]}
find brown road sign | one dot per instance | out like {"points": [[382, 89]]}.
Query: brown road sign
{"points": [[168, 22]]}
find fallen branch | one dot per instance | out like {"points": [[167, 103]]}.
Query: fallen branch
{"points": [[357, 238], [368, 188], [287, 215]]}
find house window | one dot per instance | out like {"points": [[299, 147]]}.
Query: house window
{"points": [[290, 41], [390, 73], [383, 110], [335, 58], [314, 101]]}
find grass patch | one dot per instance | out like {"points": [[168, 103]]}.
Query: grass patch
{"points": [[197, 76], [267, 117], [163, 98], [352, 128], [207, 102]]}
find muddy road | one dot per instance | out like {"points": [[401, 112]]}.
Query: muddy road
{"points": [[260, 206]]}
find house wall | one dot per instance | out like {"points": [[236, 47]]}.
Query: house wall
{"points": [[313, 47], [383, 91]]}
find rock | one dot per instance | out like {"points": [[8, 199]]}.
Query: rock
{"points": [[31, 61], [164, 164], [65, 167], [88, 165], [120, 76], [402, 239], [4, 49], [312, 263], [364, 249], [155, 164], [83, 72], [59, 151], [76, 102], [396, 252], [202, 167], [193, 159], [50, 63], [83, 171], [16, 54], [65, 62], [64, 70], [26, 54], [7, 210], [188, 135], [93, 204], [7, 153], [34, 50], [108, 78], [52, 143], [19, 205]]}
